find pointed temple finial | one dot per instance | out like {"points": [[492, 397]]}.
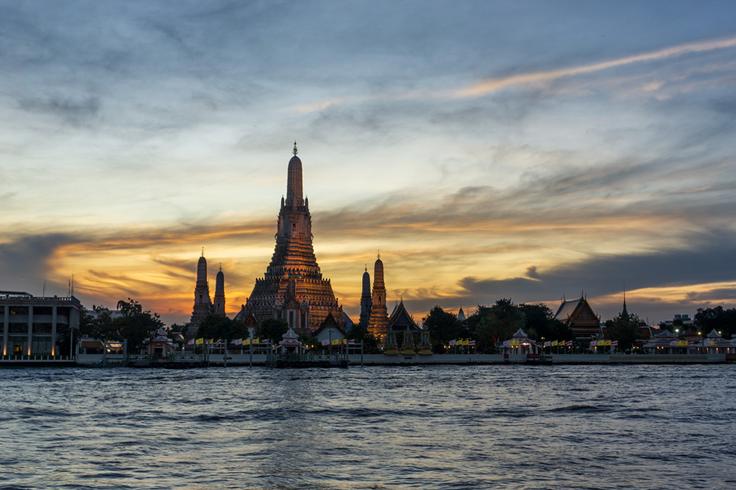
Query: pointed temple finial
{"points": [[202, 251], [294, 190], [220, 266], [378, 253]]}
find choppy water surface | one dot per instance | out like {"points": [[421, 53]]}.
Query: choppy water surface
{"points": [[462, 427]]}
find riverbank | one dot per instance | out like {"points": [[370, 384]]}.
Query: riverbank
{"points": [[194, 361]]}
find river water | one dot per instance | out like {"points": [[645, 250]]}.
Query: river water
{"points": [[422, 427]]}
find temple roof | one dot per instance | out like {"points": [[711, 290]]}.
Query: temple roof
{"points": [[573, 307], [401, 319], [664, 333], [329, 322], [567, 308]]}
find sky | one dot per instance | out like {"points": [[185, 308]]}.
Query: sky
{"points": [[523, 149]]}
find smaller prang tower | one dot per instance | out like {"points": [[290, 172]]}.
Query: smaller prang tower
{"points": [[365, 300], [202, 302], [219, 308], [378, 320]]}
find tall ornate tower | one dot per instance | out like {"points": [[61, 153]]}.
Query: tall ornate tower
{"points": [[202, 303], [293, 289], [219, 308], [378, 320], [365, 300]]}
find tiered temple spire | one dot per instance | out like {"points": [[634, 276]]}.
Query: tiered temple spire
{"points": [[202, 302], [309, 299], [378, 321], [219, 307], [365, 300]]}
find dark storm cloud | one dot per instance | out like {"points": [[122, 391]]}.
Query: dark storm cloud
{"points": [[719, 294], [711, 259], [25, 262]]}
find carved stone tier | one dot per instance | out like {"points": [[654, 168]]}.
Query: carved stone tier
{"points": [[293, 289]]}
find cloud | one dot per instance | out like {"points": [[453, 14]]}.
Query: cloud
{"points": [[70, 110], [718, 294], [495, 84], [532, 272], [25, 263], [709, 260], [180, 111]]}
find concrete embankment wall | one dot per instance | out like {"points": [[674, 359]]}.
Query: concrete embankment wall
{"points": [[481, 359], [100, 360]]}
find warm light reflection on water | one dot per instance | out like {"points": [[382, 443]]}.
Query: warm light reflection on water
{"points": [[467, 427]]}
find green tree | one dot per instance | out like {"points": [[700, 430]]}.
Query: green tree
{"points": [[443, 327], [221, 327], [539, 323], [490, 326], [718, 318], [361, 334], [135, 324], [625, 329], [273, 329], [99, 325]]}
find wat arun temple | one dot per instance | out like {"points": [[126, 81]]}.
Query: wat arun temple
{"points": [[292, 288]]}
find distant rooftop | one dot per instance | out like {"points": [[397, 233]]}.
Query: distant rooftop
{"points": [[21, 298], [13, 294]]}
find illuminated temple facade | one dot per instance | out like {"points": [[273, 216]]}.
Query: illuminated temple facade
{"points": [[293, 289]]}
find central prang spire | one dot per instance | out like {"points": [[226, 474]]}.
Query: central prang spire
{"points": [[293, 289], [294, 193]]}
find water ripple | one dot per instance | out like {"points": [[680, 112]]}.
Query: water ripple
{"points": [[372, 428]]}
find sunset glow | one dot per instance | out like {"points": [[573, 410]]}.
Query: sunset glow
{"points": [[480, 168]]}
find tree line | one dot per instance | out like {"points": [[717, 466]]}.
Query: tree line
{"points": [[489, 326]]}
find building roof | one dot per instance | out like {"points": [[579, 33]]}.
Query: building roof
{"points": [[401, 319], [329, 322], [347, 322], [27, 299], [664, 334], [567, 308]]}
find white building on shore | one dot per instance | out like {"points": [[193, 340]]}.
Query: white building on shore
{"points": [[36, 327]]}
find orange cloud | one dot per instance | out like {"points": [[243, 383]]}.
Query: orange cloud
{"points": [[495, 84]]}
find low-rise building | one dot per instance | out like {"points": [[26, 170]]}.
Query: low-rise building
{"points": [[36, 327]]}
